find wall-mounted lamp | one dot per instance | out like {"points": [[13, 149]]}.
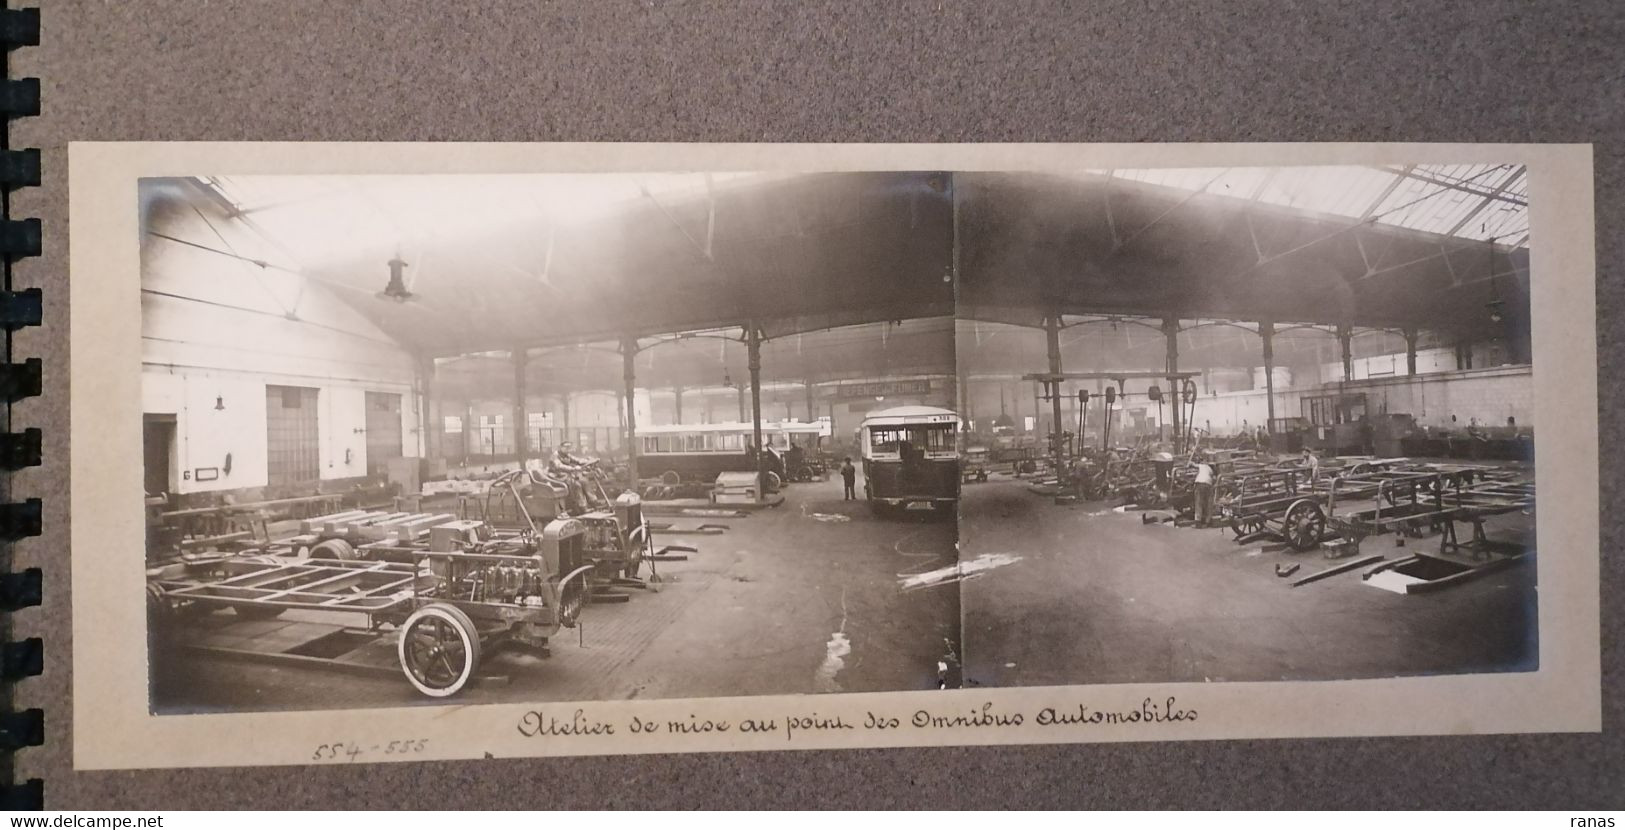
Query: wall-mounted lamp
{"points": [[219, 403]]}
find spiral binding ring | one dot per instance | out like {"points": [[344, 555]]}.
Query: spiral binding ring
{"points": [[20, 590], [20, 449], [19, 238]]}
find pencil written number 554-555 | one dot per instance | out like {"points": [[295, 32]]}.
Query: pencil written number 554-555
{"points": [[354, 751]]}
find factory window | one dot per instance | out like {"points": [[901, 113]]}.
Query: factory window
{"points": [[1327, 410], [453, 425], [292, 435], [538, 425], [494, 436]]}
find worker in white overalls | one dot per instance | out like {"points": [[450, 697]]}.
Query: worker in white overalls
{"points": [[1206, 479]]}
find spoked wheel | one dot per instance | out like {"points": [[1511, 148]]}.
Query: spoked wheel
{"points": [[671, 478], [805, 473], [1246, 525], [634, 554], [774, 481], [439, 649], [1304, 525], [571, 600]]}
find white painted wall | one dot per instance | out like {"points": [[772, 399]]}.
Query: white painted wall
{"points": [[217, 327], [205, 436], [1451, 399], [1427, 361]]}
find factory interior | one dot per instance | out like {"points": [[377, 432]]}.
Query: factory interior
{"points": [[562, 437]]}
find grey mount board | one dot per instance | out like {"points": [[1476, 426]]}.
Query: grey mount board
{"points": [[649, 70]]}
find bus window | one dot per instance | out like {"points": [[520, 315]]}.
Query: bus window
{"points": [[930, 439], [935, 439], [694, 442], [883, 440]]}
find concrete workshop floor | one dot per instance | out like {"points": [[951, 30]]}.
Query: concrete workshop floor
{"points": [[1085, 595], [769, 607]]}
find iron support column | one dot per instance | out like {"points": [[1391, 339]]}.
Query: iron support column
{"points": [[1345, 342], [629, 376], [430, 422], [1266, 333], [676, 405], [521, 358], [753, 343], [1170, 333], [1052, 337], [1410, 351]]}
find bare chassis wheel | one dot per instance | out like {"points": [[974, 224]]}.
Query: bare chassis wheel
{"points": [[1304, 525], [439, 649]]}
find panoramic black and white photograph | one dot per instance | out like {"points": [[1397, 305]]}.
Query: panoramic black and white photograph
{"points": [[619, 436], [547, 437], [1246, 424]]}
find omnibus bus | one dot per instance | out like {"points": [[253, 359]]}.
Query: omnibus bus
{"points": [[690, 452], [910, 457]]}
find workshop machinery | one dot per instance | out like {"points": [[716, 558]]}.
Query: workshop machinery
{"points": [[618, 537], [1375, 496], [466, 593]]}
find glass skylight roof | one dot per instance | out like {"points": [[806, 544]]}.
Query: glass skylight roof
{"points": [[1467, 201]]}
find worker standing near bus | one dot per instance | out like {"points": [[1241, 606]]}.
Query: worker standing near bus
{"points": [[794, 461], [849, 476]]}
